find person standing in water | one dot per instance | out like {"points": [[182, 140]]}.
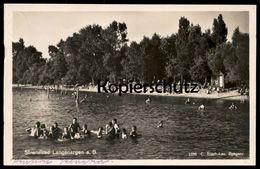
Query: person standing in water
{"points": [[110, 130], [74, 128], [116, 126], [99, 132], [48, 92], [35, 131], [124, 135], [77, 100], [133, 132]]}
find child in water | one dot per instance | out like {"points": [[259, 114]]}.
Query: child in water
{"points": [[85, 131], [66, 134], [44, 133], [133, 133], [110, 130], [99, 132], [35, 131], [124, 136]]}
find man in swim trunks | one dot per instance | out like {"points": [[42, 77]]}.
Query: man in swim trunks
{"points": [[56, 131], [110, 130], [74, 128]]}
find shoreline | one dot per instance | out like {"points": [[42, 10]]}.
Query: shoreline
{"points": [[230, 95]]}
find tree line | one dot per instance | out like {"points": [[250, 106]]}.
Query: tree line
{"points": [[95, 53]]}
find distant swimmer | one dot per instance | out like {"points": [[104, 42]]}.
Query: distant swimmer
{"points": [[187, 101], [232, 107], [99, 132], [160, 124], [133, 132], [124, 136], [148, 101], [84, 100], [201, 107]]}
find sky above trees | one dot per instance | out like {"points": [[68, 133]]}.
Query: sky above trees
{"points": [[42, 29]]}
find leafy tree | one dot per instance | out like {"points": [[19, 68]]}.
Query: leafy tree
{"points": [[168, 47], [183, 57], [219, 30]]}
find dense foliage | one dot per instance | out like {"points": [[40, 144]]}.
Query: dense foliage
{"points": [[96, 53]]}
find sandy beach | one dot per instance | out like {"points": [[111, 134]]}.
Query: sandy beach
{"points": [[230, 95]]}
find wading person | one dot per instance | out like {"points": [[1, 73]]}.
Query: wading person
{"points": [[124, 136], [116, 126], [55, 131], [133, 132], [44, 132], [99, 132], [66, 134], [35, 131], [74, 128], [110, 130], [85, 132]]}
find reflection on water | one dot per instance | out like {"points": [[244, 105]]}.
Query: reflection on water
{"points": [[185, 129]]}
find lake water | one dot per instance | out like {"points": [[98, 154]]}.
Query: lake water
{"points": [[186, 131]]}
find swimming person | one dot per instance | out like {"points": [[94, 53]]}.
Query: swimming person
{"points": [[35, 131], [99, 132], [85, 131], [201, 107], [84, 100], [116, 126], [160, 124], [187, 101], [74, 128], [124, 136], [56, 131], [44, 132], [66, 134], [148, 101], [133, 132], [110, 130], [232, 107]]}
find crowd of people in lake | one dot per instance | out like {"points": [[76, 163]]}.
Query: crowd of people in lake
{"points": [[111, 130], [74, 131]]}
